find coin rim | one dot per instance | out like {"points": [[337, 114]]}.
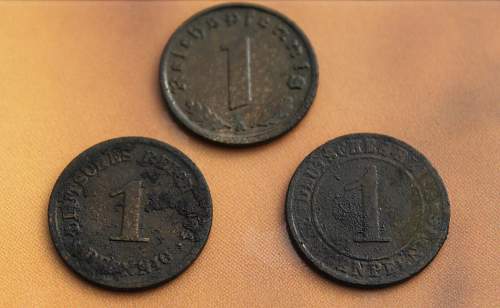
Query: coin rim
{"points": [[323, 269], [236, 140], [52, 211]]}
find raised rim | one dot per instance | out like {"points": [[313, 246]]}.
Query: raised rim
{"points": [[316, 264], [235, 140], [52, 210]]}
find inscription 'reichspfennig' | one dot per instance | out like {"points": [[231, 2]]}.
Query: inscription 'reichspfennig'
{"points": [[239, 74]]}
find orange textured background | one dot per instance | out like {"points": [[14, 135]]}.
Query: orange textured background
{"points": [[77, 73]]}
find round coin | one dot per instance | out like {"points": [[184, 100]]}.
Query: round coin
{"points": [[238, 74], [130, 213], [367, 210]]}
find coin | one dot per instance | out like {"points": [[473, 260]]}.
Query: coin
{"points": [[367, 209], [130, 213], [238, 74]]}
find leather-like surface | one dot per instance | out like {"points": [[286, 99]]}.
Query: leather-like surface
{"points": [[77, 73]]}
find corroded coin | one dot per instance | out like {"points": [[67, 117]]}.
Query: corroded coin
{"points": [[130, 213], [239, 74], [367, 209]]}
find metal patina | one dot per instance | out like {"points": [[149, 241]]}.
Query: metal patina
{"points": [[239, 74], [367, 209], [130, 213]]}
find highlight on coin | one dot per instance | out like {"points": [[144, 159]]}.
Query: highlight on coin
{"points": [[239, 74], [367, 209], [130, 213]]}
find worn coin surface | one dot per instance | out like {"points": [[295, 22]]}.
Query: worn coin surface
{"points": [[130, 213], [367, 209], [238, 74]]}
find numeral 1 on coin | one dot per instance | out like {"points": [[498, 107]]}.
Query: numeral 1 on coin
{"points": [[132, 194], [239, 74], [368, 184]]}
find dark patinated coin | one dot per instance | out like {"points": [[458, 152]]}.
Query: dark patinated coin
{"points": [[130, 213], [239, 74], [367, 209]]}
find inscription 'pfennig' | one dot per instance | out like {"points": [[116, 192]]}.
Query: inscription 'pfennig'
{"points": [[101, 216], [358, 210]]}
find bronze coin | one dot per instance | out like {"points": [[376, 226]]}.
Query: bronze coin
{"points": [[367, 209], [239, 74], [130, 213]]}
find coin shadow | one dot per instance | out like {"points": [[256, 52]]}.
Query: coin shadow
{"points": [[91, 286], [208, 142], [325, 276]]}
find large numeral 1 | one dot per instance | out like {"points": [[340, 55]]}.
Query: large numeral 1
{"points": [[132, 202], [369, 202], [239, 74]]}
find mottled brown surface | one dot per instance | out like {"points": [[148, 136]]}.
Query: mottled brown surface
{"points": [[130, 213], [367, 210], [77, 73], [238, 74]]}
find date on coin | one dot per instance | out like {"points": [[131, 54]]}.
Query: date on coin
{"points": [[130, 213]]}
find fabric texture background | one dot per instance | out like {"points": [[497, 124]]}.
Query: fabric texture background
{"points": [[77, 73]]}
